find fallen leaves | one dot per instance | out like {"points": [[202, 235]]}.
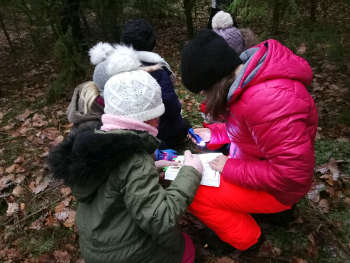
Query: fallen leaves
{"points": [[38, 120], [62, 256], [40, 184], [22, 117], [6, 181], [12, 208], [64, 213], [330, 185]]}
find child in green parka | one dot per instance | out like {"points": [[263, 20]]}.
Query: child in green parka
{"points": [[124, 215]]}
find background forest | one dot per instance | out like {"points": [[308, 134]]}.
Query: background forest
{"points": [[44, 45]]}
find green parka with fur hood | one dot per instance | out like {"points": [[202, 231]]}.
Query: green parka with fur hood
{"points": [[124, 215]]}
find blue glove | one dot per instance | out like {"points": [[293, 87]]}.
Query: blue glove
{"points": [[168, 154]]}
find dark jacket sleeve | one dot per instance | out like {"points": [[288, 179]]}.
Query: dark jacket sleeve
{"points": [[170, 99], [155, 209]]}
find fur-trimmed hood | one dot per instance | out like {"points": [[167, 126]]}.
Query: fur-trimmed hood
{"points": [[85, 160]]}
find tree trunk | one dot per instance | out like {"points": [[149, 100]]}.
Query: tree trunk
{"points": [[188, 5], [71, 18], [276, 16], [313, 10], [3, 27]]}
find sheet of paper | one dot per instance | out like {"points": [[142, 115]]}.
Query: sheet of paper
{"points": [[209, 178]]}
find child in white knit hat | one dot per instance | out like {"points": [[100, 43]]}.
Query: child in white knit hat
{"points": [[124, 214]]}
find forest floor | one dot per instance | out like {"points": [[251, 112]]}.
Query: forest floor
{"points": [[37, 213]]}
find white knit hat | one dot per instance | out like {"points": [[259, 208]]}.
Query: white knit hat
{"points": [[134, 94], [222, 20]]}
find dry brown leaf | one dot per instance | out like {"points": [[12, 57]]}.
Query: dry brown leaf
{"points": [[37, 224], [24, 115], [12, 209], [314, 193], [38, 120], [301, 49], [19, 160], [324, 205], [63, 215], [12, 254], [51, 221], [70, 247], [1, 170], [18, 191], [333, 168], [8, 127], [19, 179], [71, 219], [51, 133], [67, 200], [5, 181], [1, 115], [46, 258], [37, 188], [62, 256], [65, 191], [11, 168]]}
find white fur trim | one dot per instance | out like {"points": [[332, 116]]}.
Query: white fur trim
{"points": [[153, 58], [100, 52], [222, 20], [149, 57], [121, 60]]}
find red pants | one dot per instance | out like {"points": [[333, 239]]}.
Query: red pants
{"points": [[226, 210]]}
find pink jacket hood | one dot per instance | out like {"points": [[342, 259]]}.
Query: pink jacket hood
{"points": [[271, 125], [266, 61]]}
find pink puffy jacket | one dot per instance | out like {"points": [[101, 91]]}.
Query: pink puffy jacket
{"points": [[271, 125]]}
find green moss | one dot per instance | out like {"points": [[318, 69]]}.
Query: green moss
{"points": [[37, 242], [326, 149]]}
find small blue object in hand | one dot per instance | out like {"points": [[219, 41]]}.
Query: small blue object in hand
{"points": [[167, 154], [196, 137]]}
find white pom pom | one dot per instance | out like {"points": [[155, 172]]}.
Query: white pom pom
{"points": [[100, 52], [222, 20], [122, 59]]}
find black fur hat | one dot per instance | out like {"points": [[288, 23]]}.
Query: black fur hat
{"points": [[139, 34], [205, 60]]}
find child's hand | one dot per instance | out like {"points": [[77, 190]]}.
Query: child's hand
{"points": [[204, 133], [151, 68], [164, 163], [218, 163], [193, 160]]}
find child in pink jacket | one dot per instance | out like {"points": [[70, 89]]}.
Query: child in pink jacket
{"points": [[270, 121]]}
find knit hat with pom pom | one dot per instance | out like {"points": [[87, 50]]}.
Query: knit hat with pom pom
{"points": [[111, 60], [222, 24]]}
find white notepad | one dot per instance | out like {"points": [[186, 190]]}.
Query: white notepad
{"points": [[209, 178]]}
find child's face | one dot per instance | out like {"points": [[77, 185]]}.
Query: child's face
{"points": [[154, 122]]}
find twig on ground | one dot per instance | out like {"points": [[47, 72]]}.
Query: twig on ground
{"points": [[34, 213]]}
